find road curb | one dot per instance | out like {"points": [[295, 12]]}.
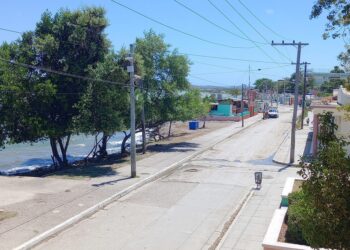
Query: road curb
{"points": [[217, 244], [279, 147], [95, 208]]}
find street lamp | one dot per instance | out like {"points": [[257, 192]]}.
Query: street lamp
{"points": [[249, 75]]}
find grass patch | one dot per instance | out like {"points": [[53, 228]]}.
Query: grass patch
{"points": [[6, 215]]}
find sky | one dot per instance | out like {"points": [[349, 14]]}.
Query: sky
{"points": [[288, 20]]}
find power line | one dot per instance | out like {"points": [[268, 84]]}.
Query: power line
{"points": [[32, 92], [12, 31], [75, 76], [257, 31], [178, 30], [213, 23], [234, 59], [21, 33], [237, 69], [59, 72], [203, 79], [266, 74], [239, 29], [230, 72], [259, 20]]}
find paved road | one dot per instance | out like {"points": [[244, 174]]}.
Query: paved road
{"points": [[187, 209]]}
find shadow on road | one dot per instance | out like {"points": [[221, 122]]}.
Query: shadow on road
{"points": [[173, 147], [89, 171], [266, 161], [110, 182]]}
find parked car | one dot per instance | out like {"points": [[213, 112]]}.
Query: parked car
{"points": [[273, 113]]}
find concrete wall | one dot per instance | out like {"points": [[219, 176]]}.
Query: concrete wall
{"points": [[340, 120], [343, 96], [223, 110]]}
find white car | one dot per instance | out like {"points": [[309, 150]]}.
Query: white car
{"points": [[273, 113]]}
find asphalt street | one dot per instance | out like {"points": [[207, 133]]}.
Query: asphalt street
{"points": [[188, 208]]}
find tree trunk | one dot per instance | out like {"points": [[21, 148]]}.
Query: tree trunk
{"points": [[123, 146], [63, 151], [55, 154], [169, 133], [103, 147], [143, 137], [204, 120]]}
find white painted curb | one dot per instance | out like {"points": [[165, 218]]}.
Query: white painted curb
{"points": [[238, 210], [88, 212]]}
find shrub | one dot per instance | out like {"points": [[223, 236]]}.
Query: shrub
{"points": [[294, 217], [323, 211]]}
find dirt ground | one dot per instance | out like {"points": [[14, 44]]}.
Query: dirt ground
{"points": [[179, 133], [17, 190]]}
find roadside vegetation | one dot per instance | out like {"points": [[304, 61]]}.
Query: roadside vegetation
{"points": [[64, 78], [318, 215], [299, 120]]}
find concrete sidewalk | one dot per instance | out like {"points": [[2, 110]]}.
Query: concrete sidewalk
{"points": [[303, 140], [192, 207], [40, 213], [248, 230]]}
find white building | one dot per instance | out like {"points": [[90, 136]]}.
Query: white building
{"points": [[326, 77]]}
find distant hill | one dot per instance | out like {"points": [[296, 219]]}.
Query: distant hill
{"points": [[213, 88]]}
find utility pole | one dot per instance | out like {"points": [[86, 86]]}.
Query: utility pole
{"points": [[297, 76], [242, 107], [277, 96], [284, 92], [304, 94], [249, 78], [132, 112], [143, 120]]}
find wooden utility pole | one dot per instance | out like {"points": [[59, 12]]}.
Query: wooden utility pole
{"points": [[132, 112], [143, 120], [297, 81], [304, 94], [242, 107], [249, 78]]}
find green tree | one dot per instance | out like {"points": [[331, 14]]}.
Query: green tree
{"points": [[191, 105], [328, 86], [337, 69], [324, 210], [344, 58], [165, 79], [234, 91], [264, 84], [338, 16], [45, 103], [104, 108]]}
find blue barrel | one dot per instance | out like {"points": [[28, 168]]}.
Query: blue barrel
{"points": [[192, 125]]}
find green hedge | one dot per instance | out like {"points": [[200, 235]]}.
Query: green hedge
{"points": [[293, 219]]}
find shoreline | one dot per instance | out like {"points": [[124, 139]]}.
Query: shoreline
{"points": [[179, 133]]}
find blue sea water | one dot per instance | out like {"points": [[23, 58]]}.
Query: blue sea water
{"points": [[25, 157]]}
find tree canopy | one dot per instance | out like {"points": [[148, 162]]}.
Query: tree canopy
{"points": [[264, 84], [64, 78], [338, 16], [45, 102], [324, 206]]}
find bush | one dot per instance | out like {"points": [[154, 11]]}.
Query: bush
{"points": [[294, 217], [323, 210]]}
